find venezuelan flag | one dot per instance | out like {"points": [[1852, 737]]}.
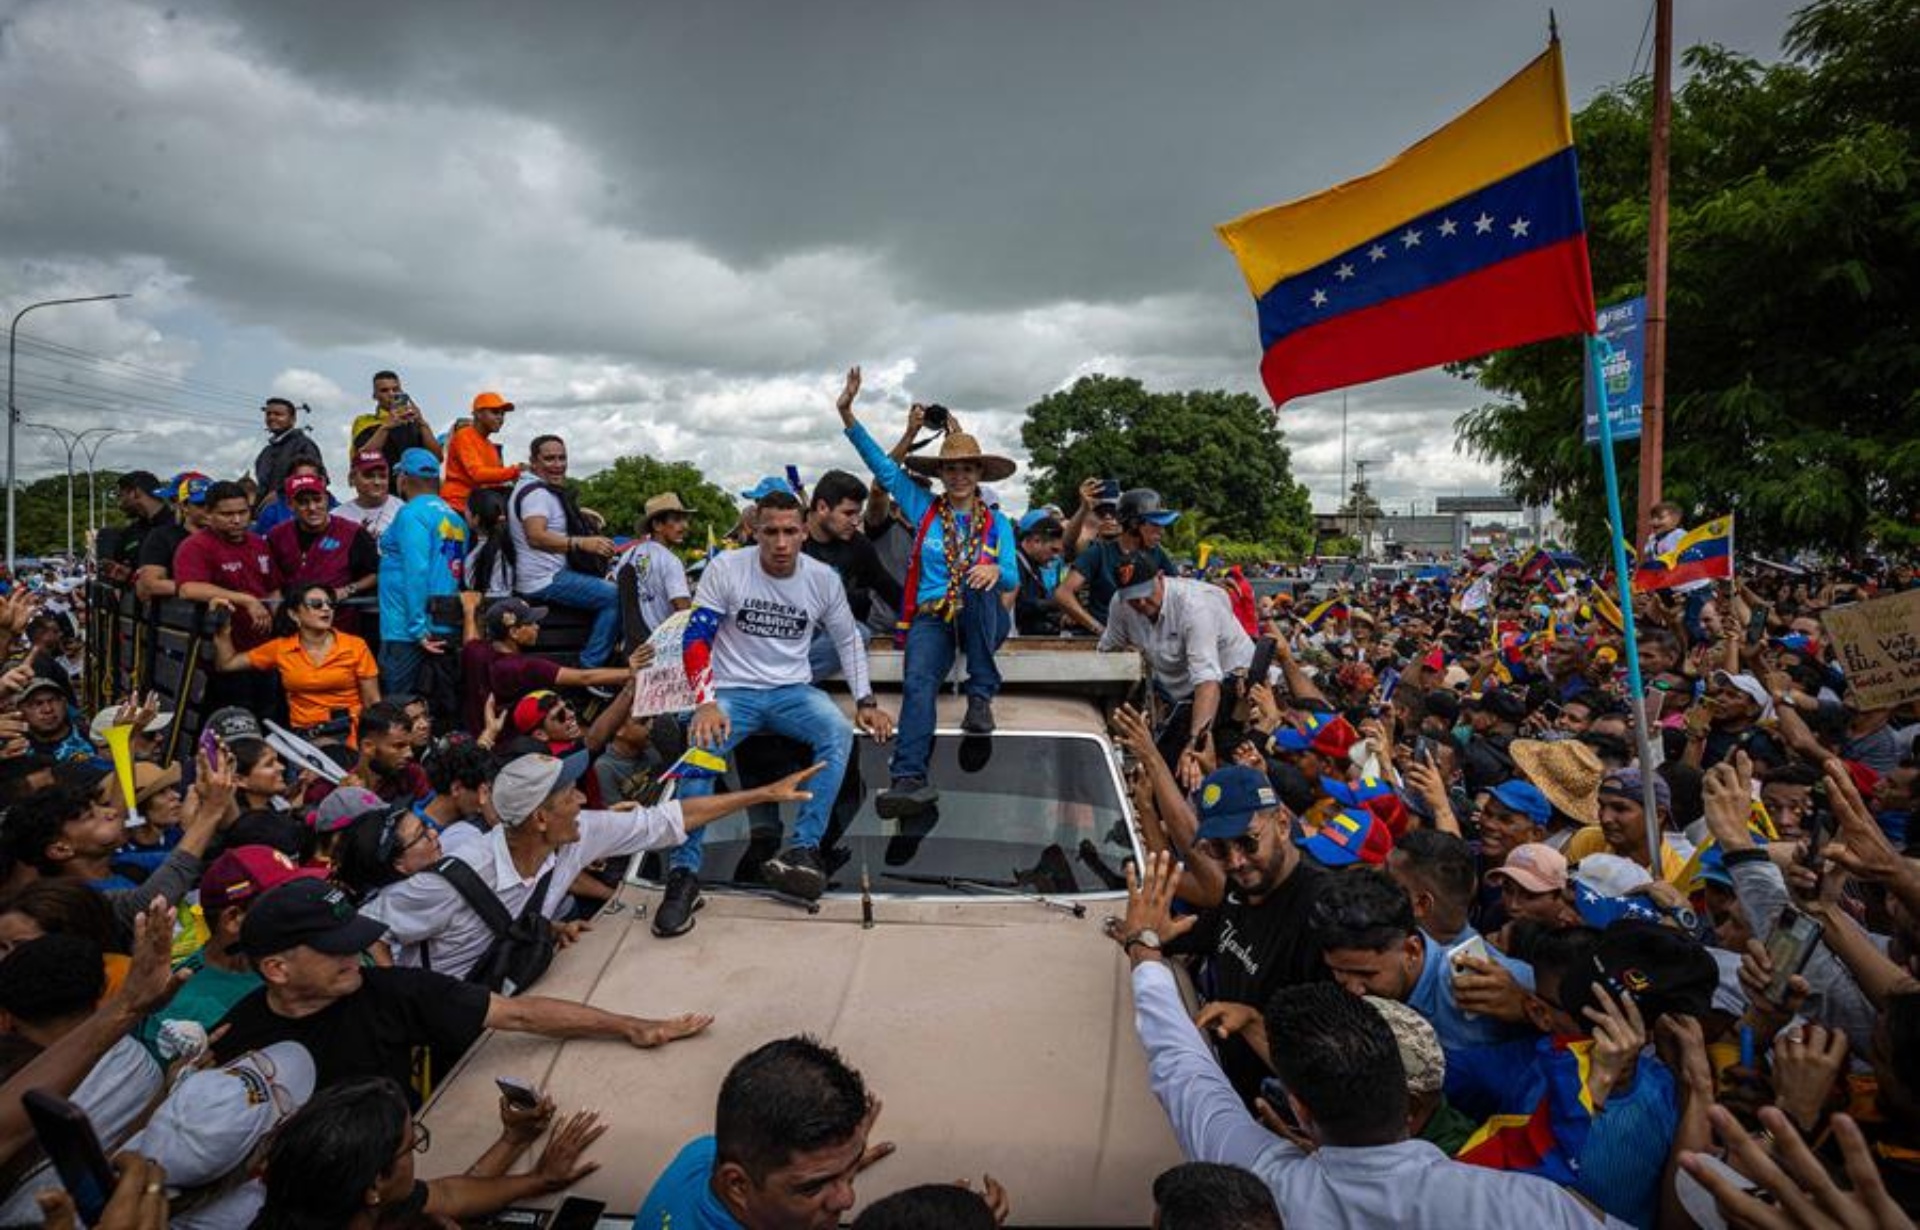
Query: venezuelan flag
{"points": [[695, 765], [1332, 608], [1705, 554], [1471, 241]]}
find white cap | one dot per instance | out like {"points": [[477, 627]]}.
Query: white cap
{"points": [[215, 1117], [1610, 875]]}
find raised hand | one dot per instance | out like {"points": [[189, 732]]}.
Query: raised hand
{"points": [[1619, 1035], [1796, 1192], [789, 788]]}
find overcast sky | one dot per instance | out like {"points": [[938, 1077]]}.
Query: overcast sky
{"points": [[669, 227]]}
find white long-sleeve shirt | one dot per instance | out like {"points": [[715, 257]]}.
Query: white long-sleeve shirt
{"points": [[1196, 640], [1410, 1185]]}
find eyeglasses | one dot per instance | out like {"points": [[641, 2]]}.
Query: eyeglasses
{"points": [[1248, 843], [422, 1138], [317, 604], [390, 846]]}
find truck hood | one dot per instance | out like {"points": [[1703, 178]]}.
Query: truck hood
{"points": [[998, 1033]]}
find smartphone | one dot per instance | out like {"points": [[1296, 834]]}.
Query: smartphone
{"points": [[1274, 1094], [577, 1213], [520, 1094], [1389, 680], [1257, 670], [1475, 948], [1423, 749], [1109, 491], [1791, 945], [1552, 710], [67, 1138]]}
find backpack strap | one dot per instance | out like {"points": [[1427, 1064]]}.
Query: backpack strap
{"points": [[474, 891]]}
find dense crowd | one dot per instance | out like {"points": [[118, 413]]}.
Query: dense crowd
{"points": [[1450, 972]]}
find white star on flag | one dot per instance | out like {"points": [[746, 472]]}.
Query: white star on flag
{"points": [[1376, 252], [1343, 272], [1411, 238], [1482, 224], [1519, 228], [1319, 298], [1447, 227]]}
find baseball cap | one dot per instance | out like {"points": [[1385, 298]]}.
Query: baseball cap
{"points": [[370, 459], [305, 484], [1536, 867], [1628, 784], [1665, 970], [491, 401], [40, 682], [419, 463], [510, 613], [1419, 1046], [214, 1118], [1229, 798], [342, 807], [1350, 837], [1753, 689], [1041, 522], [1525, 798], [766, 487], [1137, 571], [532, 709], [528, 781], [187, 487], [1288, 739], [310, 913], [245, 872], [233, 723]]}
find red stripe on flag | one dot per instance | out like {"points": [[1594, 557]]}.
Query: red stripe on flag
{"points": [[1545, 293]]}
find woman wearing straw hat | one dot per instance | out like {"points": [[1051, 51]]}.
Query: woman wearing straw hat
{"points": [[963, 560]]}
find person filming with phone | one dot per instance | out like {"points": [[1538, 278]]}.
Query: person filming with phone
{"points": [[395, 425]]}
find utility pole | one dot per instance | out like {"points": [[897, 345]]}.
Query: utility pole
{"points": [[1653, 412], [73, 440], [13, 411]]}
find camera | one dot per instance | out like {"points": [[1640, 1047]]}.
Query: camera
{"points": [[936, 417]]}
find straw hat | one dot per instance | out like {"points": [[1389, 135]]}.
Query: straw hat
{"points": [[959, 446], [662, 506], [1567, 772]]}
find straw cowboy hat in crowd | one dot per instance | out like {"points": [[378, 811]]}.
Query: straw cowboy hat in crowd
{"points": [[1568, 773], [959, 446]]}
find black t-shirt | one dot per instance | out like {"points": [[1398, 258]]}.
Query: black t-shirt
{"points": [[134, 536], [1756, 743], [371, 1032], [1253, 951], [157, 548], [860, 571], [400, 438]]}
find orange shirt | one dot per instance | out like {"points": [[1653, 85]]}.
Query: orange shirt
{"points": [[314, 692], [472, 461]]}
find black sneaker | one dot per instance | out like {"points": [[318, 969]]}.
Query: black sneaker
{"points": [[798, 873], [677, 905], [908, 796], [979, 719]]}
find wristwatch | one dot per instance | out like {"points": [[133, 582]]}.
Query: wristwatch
{"points": [[1146, 936]]}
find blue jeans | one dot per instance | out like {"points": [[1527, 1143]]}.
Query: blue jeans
{"points": [[400, 663], [932, 643], [802, 713], [585, 593]]}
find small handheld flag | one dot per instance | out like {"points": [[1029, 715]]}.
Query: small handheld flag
{"points": [[1705, 554]]}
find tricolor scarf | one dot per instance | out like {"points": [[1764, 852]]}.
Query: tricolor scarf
{"points": [[961, 551]]}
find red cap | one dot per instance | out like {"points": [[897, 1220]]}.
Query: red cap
{"points": [[304, 484], [532, 710], [1335, 738], [370, 459], [244, 872]]}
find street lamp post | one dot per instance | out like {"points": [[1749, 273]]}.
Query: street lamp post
{"points": [[13, 411], [74, 440], [92, 451]]}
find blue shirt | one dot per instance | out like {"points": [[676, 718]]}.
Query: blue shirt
{"points": [[422, 555], [682, 1197], [914, 501], [1432, 998]]}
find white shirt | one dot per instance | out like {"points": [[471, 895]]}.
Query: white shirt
{"points": [[534, 569], [1196, 640], [429, 923], [115, 1095], [658, 579], [374, 520], [767, 622], [1410, 1185]]}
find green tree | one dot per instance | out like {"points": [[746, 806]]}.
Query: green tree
{"points": [[40, 512], [1793, 364], [1208, 452], [620, 491]]}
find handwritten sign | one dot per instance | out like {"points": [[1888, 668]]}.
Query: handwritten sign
{"points": [[1877, 644], [664, 686]]}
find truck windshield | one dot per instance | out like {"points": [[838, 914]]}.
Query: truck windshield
{"points": [[1037, 812]]}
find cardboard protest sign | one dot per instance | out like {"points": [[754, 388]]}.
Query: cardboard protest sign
{"points": [[664, 686], [1877, 644]]}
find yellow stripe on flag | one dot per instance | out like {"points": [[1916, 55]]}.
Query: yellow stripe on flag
{"points": [[1509, 130]]}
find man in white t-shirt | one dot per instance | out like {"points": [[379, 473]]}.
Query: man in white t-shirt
{"points": [[542, 540], [650, 565], [544, 837], [373, 504], [746, 655]]}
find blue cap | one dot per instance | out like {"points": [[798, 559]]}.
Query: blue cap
{"points": [[1161, 518], [1229, 798], [1349, 837], [1525, 798], [419, 463], [1713, 867], [188, 486], [766, 487], [1287, 739], [1599, 910], [1355, 794], [1038, 516]]}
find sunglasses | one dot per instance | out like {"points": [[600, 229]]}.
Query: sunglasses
{"points": [[1216, 848], [317, 604]]}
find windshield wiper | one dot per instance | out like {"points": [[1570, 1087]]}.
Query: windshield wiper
{"points": [[1001, 888]]}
